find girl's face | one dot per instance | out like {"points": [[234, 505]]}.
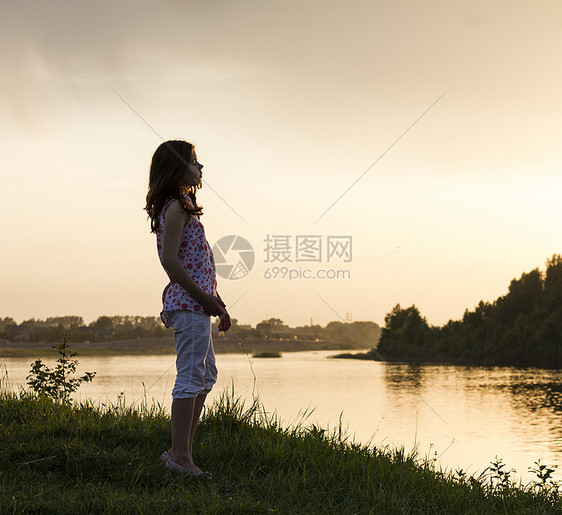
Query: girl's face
{"points": [[192, 175]]}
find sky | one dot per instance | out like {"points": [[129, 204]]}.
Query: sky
{"points": [[426, 133]]}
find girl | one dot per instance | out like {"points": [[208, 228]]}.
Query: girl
{"points": [[191, 297]]}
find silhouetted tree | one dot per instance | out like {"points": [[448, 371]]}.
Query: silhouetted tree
{"points": [[103, 322], [522, 328], [405, 333]]}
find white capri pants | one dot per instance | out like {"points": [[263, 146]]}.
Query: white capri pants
{"points": [[195, 355]]}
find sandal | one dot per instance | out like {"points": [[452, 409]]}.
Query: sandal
{"points": [[171, 464]]}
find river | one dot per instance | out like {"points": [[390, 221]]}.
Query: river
{"points": [[463, 416]]}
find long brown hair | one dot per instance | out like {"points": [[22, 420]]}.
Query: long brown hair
{"points": [[169, 162]]}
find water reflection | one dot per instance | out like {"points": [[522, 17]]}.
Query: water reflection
{"points": [[400, 375], [537, 396]]}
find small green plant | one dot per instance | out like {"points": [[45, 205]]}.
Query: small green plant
{"points": [[545, 482], [56, 383], [543, 472], [500, 478]]}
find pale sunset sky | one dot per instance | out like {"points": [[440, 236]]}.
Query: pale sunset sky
{"points": [[288, 104]]}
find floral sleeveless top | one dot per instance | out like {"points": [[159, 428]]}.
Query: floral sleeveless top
{"points": [[196, 256]]}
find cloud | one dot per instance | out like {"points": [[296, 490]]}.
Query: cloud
{"points": [[398, 54], [50, 50]]}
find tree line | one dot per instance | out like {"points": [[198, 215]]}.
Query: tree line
{"points": [[104, 328], [520, 328], [137, 327]]}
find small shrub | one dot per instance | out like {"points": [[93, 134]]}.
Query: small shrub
{"points": [[56, 383]]}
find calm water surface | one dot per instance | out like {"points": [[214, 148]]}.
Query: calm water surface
{"points": [[463, 416]]}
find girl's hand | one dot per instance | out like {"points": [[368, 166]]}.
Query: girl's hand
{"points": [[212, 305], [224, 324]]}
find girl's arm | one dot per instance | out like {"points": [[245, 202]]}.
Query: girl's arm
{"points": [[173, 227], [222, 302], [225, 322]]}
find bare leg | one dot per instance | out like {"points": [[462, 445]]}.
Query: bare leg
{"points": [[199, 402], [182, 419]]}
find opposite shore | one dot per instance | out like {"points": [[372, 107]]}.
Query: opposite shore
{"points": [[166, 345], [226, 345], [420, 360]]}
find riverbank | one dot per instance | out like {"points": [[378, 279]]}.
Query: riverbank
{"points": [[166, 345], [88, 459], [369, 356]]}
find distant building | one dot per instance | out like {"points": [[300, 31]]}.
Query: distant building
{"points": [[278, 330]]}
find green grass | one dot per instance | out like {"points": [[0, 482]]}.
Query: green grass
{"points": [[57, 458]]}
